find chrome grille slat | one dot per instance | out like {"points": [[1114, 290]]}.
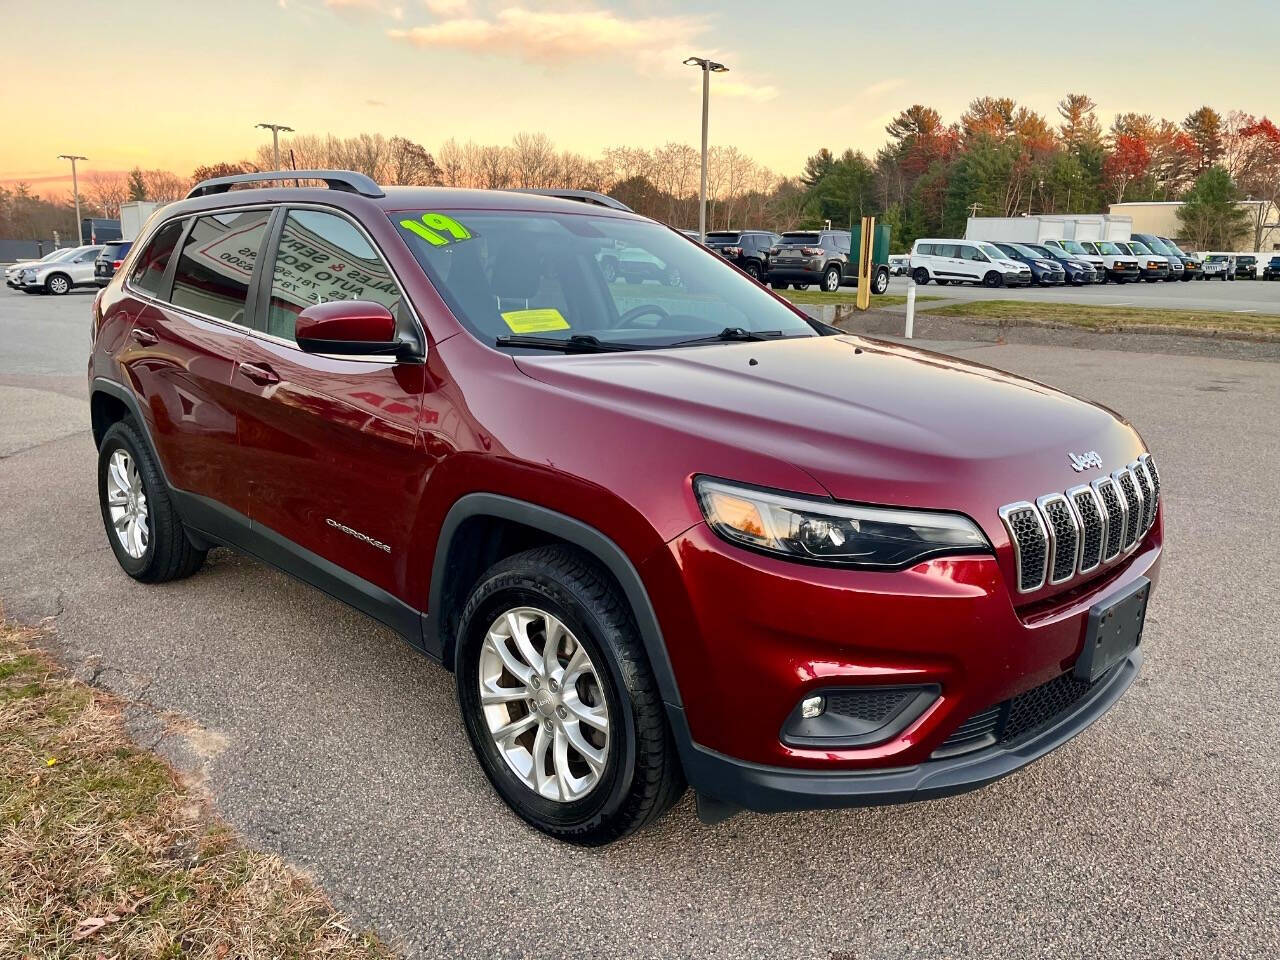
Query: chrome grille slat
{"points": [[1093, 525], [1064, 535], [1030, 542], [1128, 485]]}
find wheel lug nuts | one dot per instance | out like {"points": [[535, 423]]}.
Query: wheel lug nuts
{"points": [[550, 726], [562, 712], [536, 683], [554, 686]]}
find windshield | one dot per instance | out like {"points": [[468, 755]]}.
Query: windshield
{"points": [[1071, 246], [1173, 246], [1136, 246], [1216, 258], [1108, 249], [563, 275], [992, 251], [1044, 253], [1247, 260]]}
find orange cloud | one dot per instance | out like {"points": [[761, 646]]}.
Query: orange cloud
{"points": [[558, 35]]}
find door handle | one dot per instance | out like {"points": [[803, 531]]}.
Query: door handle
{"points": [[260, 373], [144, 336]]}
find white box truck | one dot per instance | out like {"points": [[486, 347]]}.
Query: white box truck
{"points": [[1015, 229], [133, 215]]}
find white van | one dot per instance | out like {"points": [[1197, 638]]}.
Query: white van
{"points": [[965, 261]]}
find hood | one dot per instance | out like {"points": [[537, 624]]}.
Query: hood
{"points": [[1012, 264], [870, 421]]}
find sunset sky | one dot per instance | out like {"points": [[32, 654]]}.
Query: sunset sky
{"points": [[158, 84]]}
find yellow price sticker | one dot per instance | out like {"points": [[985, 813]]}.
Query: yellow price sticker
{"points": [[535, 321], [437, 229]]}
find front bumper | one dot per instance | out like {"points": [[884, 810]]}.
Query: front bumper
{"points": [[1051, 278], [1127, 273], [1155, 273], [739, 784], [1019, 279]]}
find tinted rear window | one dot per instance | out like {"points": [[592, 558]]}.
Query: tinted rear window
{"points": [[149, 269], [791, 239], [724, 236], [216, 263], [115, 251]]}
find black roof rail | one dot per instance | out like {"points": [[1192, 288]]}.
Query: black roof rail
{"points": [[583, 196], [347, 181]]}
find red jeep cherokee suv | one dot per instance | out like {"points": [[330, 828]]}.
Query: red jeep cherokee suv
{"points": [[663, 532]]}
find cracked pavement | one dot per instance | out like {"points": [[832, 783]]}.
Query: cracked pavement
{"points": [[323, 738]]}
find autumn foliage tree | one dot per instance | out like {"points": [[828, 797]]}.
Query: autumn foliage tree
{"points": [[1129, 159]]}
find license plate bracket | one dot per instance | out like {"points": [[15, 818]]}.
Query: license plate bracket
{"points": [[1114, 630]]}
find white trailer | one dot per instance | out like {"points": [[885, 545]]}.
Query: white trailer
{"points": [[133, 215], [1058, 226]]}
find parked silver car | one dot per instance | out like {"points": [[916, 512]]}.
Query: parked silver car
{"points": [[13, 272], [61, 276]]}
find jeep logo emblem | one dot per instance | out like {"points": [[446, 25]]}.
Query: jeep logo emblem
{"points": [[1085, 461]]}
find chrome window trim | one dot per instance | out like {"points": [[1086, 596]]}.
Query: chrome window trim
{"points": [[1093, 494], [1110, 520], [1051, 563], [1005, 512], [262, 334]]}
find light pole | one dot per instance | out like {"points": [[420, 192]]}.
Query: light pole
{"points": [[276, 129], [707, 67], [75, 191]]}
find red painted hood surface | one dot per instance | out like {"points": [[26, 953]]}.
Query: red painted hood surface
{"points": [[869, 420]]}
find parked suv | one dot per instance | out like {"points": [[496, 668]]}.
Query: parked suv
{"points": [[1246, 267], [59, 277], [1272, 270], [1220, 265], [109, 260], [804, 257], [1076, 270], [966, 261], [13, 271], [747, 249], [661, 534]]}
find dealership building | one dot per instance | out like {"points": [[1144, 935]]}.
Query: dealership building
{"points": [[1161, 219]]}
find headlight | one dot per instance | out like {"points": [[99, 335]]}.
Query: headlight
{"points": [[1045, 264], [829, 532]]}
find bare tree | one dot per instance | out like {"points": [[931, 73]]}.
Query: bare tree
{"points": [[107, 191], [409, 163], [533, 160], [164, 186], [494, 167]]}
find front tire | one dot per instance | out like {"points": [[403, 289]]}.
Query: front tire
{"points": [[143, 527], [58, 284], [576, 742]]}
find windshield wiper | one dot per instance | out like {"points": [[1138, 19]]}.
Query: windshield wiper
{"points": [[732, 335], [578, 343]]}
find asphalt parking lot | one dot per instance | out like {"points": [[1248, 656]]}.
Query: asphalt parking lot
{"points": [[1240, 296], [322, 737]]}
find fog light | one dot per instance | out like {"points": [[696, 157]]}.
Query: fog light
{"points": [[811, 707]]}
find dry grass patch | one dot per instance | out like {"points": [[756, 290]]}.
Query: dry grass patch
{"points": [[104, 852], [1117, 319]]}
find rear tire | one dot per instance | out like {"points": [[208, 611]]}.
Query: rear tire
{"points": [[752, 270], [831, 279], [132, 489], [559, 591], [942, 283], [880, 282]]}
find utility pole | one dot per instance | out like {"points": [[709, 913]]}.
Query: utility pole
{"points": [[708, 67], [974, 208], [276, 129], [75, 191]]}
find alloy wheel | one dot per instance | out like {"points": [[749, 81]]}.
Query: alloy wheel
{"points": [[543, 704], [127, 504], [59, 285]]}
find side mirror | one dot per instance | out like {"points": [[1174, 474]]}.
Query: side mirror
{"points": [[353, 327]]}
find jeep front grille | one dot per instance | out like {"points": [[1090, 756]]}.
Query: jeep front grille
{"points": [[1064, 535]]}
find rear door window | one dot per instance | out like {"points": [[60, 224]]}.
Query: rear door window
{"points": [[149, 269], [216, 264]]}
